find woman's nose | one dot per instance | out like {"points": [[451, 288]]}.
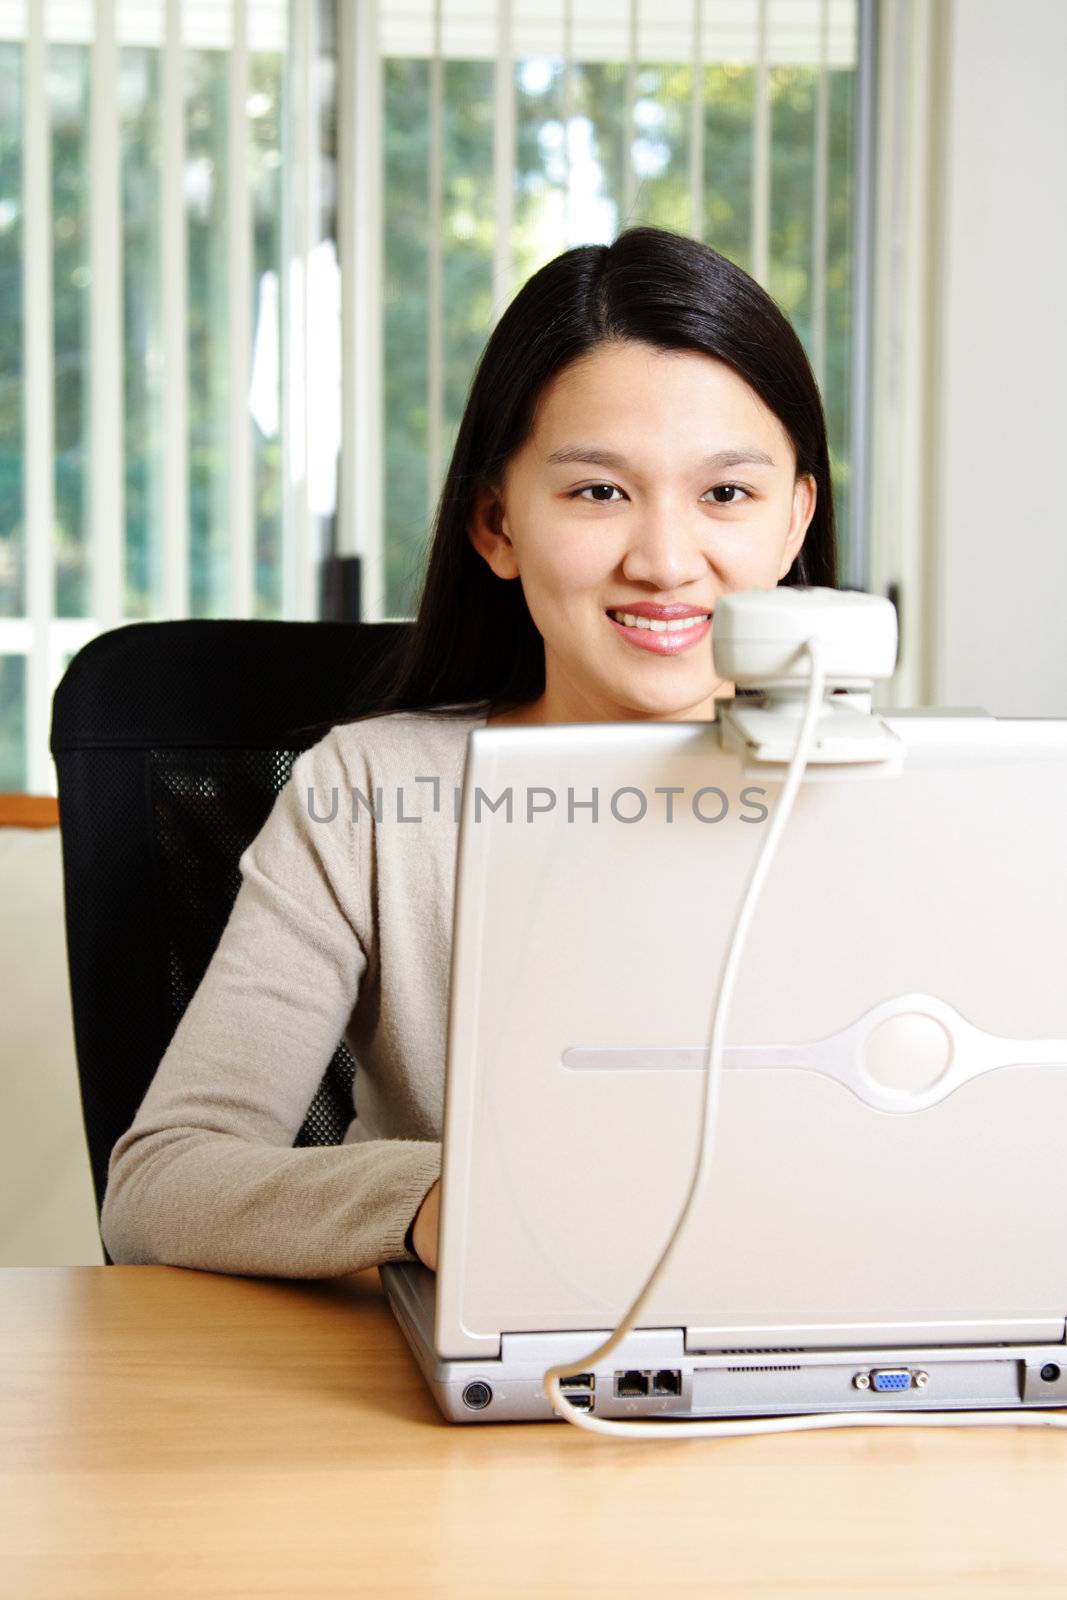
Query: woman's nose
{"points": [[665, 548]]}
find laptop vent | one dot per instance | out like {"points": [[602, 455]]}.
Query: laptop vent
{"points": [[766, 1350], [763, 1369]]}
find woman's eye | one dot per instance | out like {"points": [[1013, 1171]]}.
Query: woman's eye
{"points": [[589, 489], [730, 489]]}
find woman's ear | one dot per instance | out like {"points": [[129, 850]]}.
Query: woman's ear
{"points": [[805, 492], [488, 533]]}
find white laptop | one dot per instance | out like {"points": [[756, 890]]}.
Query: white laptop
{"points": [[884, 1226]]}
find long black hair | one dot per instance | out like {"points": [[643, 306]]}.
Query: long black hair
{"points": [[473, 640]]}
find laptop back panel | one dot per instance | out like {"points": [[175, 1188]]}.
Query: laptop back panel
{"points": [[888, 1161]]}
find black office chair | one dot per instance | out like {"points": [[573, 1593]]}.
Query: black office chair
{"points": [[171, 741]]}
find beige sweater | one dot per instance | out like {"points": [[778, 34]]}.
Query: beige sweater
{"points": [[341, 927]]}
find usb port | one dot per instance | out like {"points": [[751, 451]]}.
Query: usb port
{"points": [[579, 1380], [580, 1402]]}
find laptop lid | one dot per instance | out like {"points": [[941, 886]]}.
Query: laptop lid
{"points": [[889, 1162]]}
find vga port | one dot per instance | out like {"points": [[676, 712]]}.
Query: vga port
{"points": [[885, 1379]]}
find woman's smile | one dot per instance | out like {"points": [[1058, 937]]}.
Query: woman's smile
{"points": [[661, 638]]}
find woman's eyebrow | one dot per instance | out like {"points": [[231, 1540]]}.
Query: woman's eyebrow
{"points": [[592, 455]]}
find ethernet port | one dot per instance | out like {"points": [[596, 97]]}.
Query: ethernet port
{"points": [[667, 1382], [628, 1385]]}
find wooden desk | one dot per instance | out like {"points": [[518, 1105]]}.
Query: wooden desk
{"points": [[175, 1433]]}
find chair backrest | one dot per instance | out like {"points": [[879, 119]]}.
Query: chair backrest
{"points": [[171, 741]]}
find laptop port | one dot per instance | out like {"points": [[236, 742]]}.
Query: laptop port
{"points": [[580, 1402], [631, 1384], [477, 1395], [889, 1379], [667, 1382], [579, 1380]]}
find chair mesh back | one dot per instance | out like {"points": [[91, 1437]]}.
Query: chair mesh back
{"points": [[200, 810], [171, 741]]}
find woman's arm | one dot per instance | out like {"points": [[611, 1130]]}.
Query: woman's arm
{"points": [[425, 1227], [206, 1175]]}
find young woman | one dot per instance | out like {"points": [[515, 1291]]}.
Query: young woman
{"points": [[643, 434]]}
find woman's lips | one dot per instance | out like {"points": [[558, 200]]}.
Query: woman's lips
{"points": [[663, 644]]}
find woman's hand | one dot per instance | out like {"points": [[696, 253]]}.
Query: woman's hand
{"points": [[424, 1233]]}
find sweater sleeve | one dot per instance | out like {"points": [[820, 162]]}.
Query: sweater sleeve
{"points": [[206, 1176]]}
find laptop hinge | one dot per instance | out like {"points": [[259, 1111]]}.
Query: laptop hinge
{"points": [[873, 1335], [642, 1347]]}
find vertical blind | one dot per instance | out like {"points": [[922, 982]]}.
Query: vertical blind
{"points": [[235, 233], [143, 275]]}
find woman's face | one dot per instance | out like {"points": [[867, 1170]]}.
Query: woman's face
{"points": [[698, 499]]}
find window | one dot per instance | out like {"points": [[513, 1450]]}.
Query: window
{"points": [[235, 233]]}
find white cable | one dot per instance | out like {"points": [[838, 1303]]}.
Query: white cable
{"points": [[721, 1429]]}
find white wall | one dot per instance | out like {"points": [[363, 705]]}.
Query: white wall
{"points": [[47, 1206], [998, 463]]}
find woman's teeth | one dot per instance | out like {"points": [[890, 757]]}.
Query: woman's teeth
{"points": [[676, 625]]}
